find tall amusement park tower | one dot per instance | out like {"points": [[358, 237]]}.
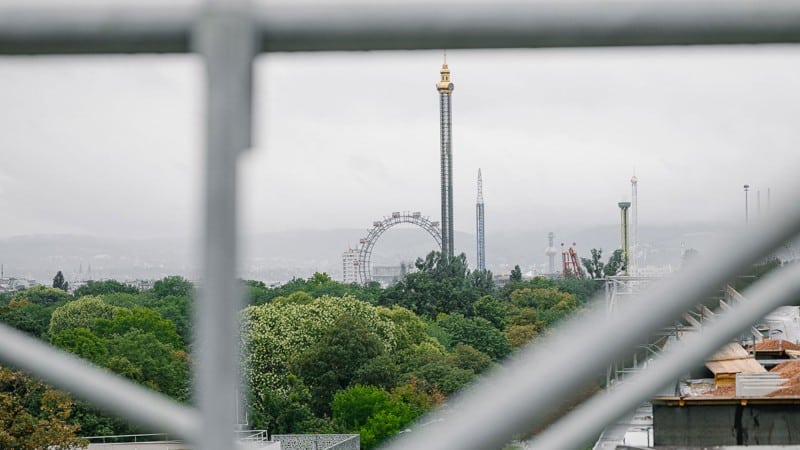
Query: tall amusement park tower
{"points": [[479, 225], [633, 263], [445, 88]]}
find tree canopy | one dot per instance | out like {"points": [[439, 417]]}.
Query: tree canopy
{"points": [[318, 355], [104, 287], [34, 415], [59, 283], [440, 285]]}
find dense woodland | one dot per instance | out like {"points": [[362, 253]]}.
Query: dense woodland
{"points": [[319, 355]]}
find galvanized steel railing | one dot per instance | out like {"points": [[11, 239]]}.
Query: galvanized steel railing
{"points": [[318, 441], [529, 390]]}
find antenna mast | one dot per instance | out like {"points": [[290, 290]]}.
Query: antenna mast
{"points": [[634, 238], [479, 217]]}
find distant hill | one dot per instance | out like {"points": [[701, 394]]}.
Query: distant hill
{"points": [[279, 256], [88, 257]]}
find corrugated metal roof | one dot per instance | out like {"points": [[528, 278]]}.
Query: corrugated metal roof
{"points": [[757, 384]]}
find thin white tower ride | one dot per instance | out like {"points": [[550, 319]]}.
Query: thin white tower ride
{"points": [[634, 263], [551, 252], [479, 225], [445, 88], [624, 236]]}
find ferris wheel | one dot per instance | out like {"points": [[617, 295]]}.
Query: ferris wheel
{"points": [[379, 227]]}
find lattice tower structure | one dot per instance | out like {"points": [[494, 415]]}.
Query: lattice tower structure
{"points": [[445, 88], [479, 215], [634, 244]]}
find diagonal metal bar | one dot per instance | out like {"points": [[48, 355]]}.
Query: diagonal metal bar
{"points": [[526, 391], [776, 289], [225, 36], [396, 26], [93, 384]]}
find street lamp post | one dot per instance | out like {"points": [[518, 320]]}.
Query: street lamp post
{"points": [[746, 187]]}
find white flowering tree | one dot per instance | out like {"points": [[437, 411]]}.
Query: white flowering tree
{"points": [[276, 335]]}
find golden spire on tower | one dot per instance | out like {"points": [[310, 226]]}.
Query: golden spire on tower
{"points": [[445, 86]]}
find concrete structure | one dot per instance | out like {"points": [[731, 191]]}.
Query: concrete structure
{"points": [[13, 284], [445, 88], [634, 429], [479, 216], [142, 285], [389, 275], [551, 253], [623, 209], [732, 401], [699, 422], [634, 263], [784, 323], [350, 266]]}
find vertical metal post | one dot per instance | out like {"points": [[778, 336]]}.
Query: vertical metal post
{"points": [[746, 215], [769, 199], [758, 204], [225, 36], [623, 208], [634, 247]]}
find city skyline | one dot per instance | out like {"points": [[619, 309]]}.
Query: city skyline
{"points": [[110, 146]]}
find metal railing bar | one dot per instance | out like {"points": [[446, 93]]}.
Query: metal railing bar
{"points": [[543, 378], [117, 436], [533, 24], [224, 35], [588, 420], [95, 385], [43, 30], [117, 29]]}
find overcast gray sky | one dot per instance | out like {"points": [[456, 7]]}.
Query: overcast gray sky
{"points": [[111, 145]]}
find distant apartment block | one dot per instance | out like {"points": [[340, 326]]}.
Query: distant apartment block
{"points": [[12, 284], [350, 266]]}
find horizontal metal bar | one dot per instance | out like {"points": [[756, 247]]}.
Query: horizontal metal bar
{"points": [[575, 429], [536, 24], [43, 30], [380, 26], [98, 386], [544, 378]]}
